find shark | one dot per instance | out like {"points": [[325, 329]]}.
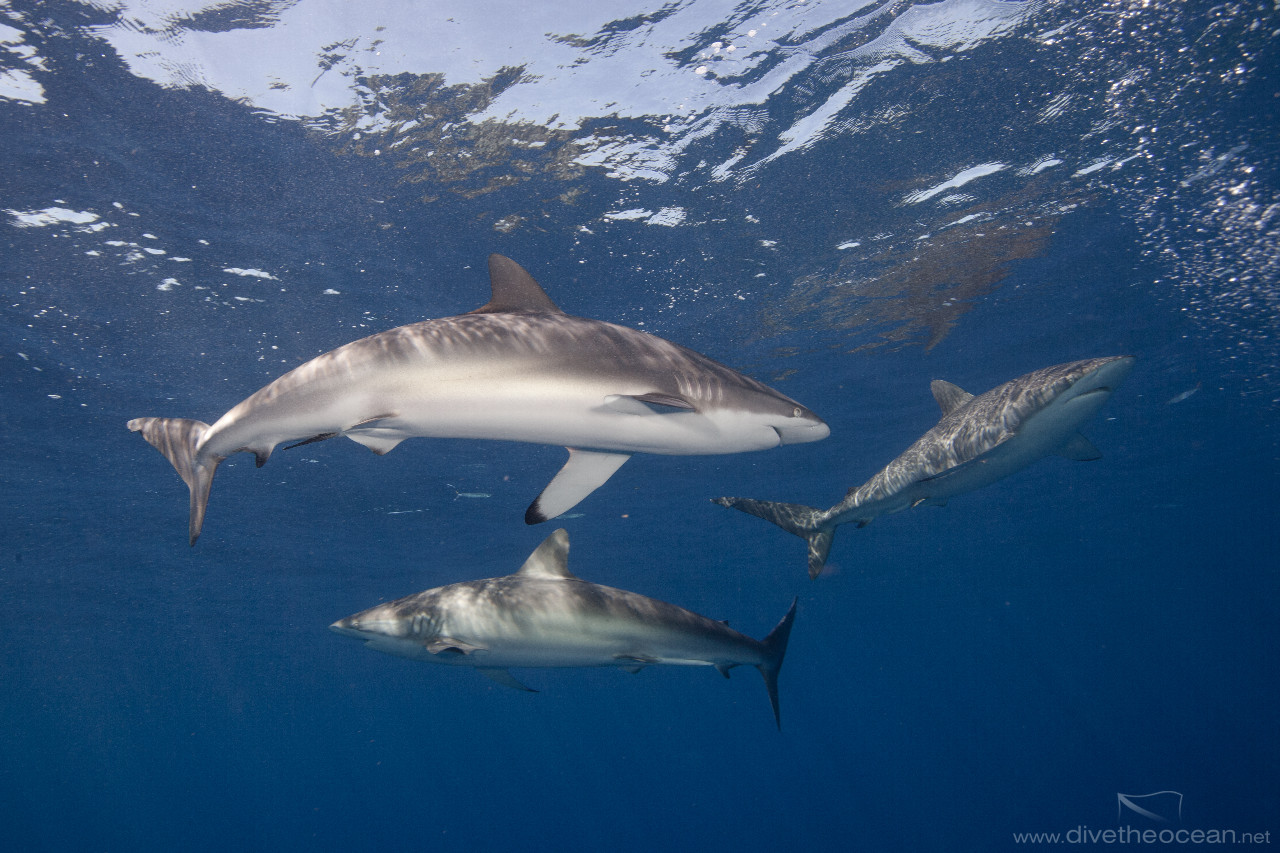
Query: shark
{"points": [[544, 616], [978, 441], [516, 369]]}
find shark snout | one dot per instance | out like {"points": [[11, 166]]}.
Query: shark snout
{"points": [[348, 627], [803, 430], [378, 622], [1107, 376]]}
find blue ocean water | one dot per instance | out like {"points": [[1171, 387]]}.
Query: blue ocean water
{"points": [[844, 200]]}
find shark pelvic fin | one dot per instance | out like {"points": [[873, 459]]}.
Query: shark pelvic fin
{"points": [[550, 560], [505, 678], [514, 290], [179, 440], [379, 444], [586, 471], [949, 396]]}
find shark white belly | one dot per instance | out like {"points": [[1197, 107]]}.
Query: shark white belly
{"points": [[518, 369], [978, 441], [544, 616]]}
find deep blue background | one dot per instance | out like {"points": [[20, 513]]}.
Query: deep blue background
{"points": [[1008, 663]]}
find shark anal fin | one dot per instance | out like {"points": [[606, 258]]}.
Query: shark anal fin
{"points": [[505, 678], [723, 669], [586, 471], [260, 454], [1080, 449]]}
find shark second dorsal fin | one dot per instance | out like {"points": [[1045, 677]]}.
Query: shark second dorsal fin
{"points": [[949, 396], [550, 560], [514, 290]]}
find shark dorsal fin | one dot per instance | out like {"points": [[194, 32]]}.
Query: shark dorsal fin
{"points": [[550, 560], [949, 396], [514, 290]]}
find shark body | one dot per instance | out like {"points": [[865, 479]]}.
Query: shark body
{"points": [[517, 369], [978, 441], [544, 616]]}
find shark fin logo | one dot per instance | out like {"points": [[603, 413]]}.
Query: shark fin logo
{"points": [[1162, 806]]}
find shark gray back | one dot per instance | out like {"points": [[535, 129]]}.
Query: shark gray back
{"points": [[544, 616], [516, 369], [978, 441]]}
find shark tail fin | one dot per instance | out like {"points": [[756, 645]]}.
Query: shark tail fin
{"points": [[804, 521], [819, 547], [775, 648], [179, 440]]}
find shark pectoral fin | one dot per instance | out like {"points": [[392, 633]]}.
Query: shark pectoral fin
{"points": [[1080, 449], [654, 403], [586, 471], [448, 645], [505, 678]]}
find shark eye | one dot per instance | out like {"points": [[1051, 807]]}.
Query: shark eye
{"points": [[797, 412]]}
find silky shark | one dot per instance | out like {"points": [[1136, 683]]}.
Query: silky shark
{"points": [[516, 369], [978, 441], [544, 616]]}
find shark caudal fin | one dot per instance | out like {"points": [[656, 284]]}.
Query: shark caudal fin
{"points": [[775, 648], [179, 439], [803, 521]]}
